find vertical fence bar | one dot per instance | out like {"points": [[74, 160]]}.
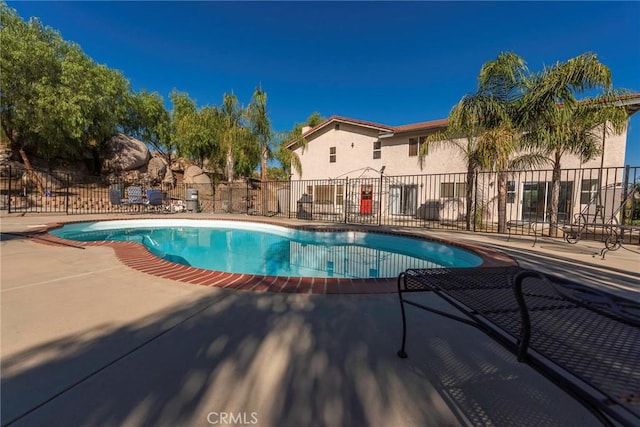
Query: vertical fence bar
{"points": [[625, 194], [345, 203], [290, 196], [67, 194], [475, 201], [213, 195], [9, 192], [380, 198], [247, 195]]}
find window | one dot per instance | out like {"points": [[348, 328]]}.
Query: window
{"points": [[452, 189], [332, 154], [589, 191], [403, 199], [339, 194], [377, 149], [336, 126], [511, 192], [447, 189], [415, 144], [324, 194], [413, 147]]}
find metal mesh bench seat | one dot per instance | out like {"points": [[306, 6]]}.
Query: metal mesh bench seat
{"points": [[586, 341]]}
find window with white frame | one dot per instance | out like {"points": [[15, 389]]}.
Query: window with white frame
{"points": [[377, 149], [415, 144], [339, 194], [588, 191], [332, 154], [324, 194], [511, 192], [452, 189]]}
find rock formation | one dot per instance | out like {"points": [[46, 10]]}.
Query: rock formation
{"points": [[123, 153], [195, 175]]}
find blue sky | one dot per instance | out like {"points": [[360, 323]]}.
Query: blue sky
{"points": [[387, 62]]}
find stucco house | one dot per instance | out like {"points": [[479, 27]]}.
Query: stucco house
{"points": [[375, 167]]}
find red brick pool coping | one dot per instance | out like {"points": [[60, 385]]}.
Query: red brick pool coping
{"points": [[136, 256]]}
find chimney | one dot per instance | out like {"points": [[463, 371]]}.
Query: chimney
{"points": [[305, 129]]}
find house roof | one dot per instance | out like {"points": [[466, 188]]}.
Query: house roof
{"points": [[383, 129], [631, 102], [421, 126]]}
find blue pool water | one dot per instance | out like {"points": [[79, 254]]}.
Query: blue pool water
{"points": [[264, 249]]}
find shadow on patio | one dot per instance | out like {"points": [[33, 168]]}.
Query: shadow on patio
{"points": [[288, 360]]}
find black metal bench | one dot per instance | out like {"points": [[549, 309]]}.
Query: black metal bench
{"points": [[586, 341]]}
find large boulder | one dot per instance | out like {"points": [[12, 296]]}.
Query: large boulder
{"points": [[156, 169], [16, 169], [195, 175], [169, 179], [123, 153], [180, 164], [49, 182]]}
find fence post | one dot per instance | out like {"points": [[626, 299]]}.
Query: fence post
{"points": [[247, 196], [9, 192], [380, 198], [213, 194], [475, 200], [9, 195], [625, 194], [346, 200], [290, 194], [67, 194]]}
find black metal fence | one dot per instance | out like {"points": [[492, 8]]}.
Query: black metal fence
{"points": [[599, 197]]}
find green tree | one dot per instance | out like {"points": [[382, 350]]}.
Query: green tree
{"points": [[198, 136], [247, 152], [289, 161], [491, 115], [239, 148], [461, 136], [219, 134], [558, 124], [183, 106], [149, 121], [55, 101]]}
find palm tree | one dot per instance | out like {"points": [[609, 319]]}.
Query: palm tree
{"points": [[289, 160], [462, 138], [261, 127], [489, 117], [558, 124], [230, 131]]}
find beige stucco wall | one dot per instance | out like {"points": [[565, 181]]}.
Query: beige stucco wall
{"points": [[350, 161], [354, 159], [354, 155]]}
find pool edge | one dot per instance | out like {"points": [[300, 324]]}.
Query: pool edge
{"points": [[138, 257]]}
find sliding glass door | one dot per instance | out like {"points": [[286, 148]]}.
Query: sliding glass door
{"points": [[536, 200]]}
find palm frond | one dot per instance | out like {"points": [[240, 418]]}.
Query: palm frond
{"points": [[529, 160], [503, 78]]}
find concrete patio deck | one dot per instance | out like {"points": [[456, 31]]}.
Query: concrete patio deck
{"points": [[89, 341]]}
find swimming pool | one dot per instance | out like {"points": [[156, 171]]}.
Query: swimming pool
{"points": [[271, 250]]}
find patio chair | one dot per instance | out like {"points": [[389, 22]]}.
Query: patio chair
{"points": [[155, 199], [134, 196], [115, 196]]}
